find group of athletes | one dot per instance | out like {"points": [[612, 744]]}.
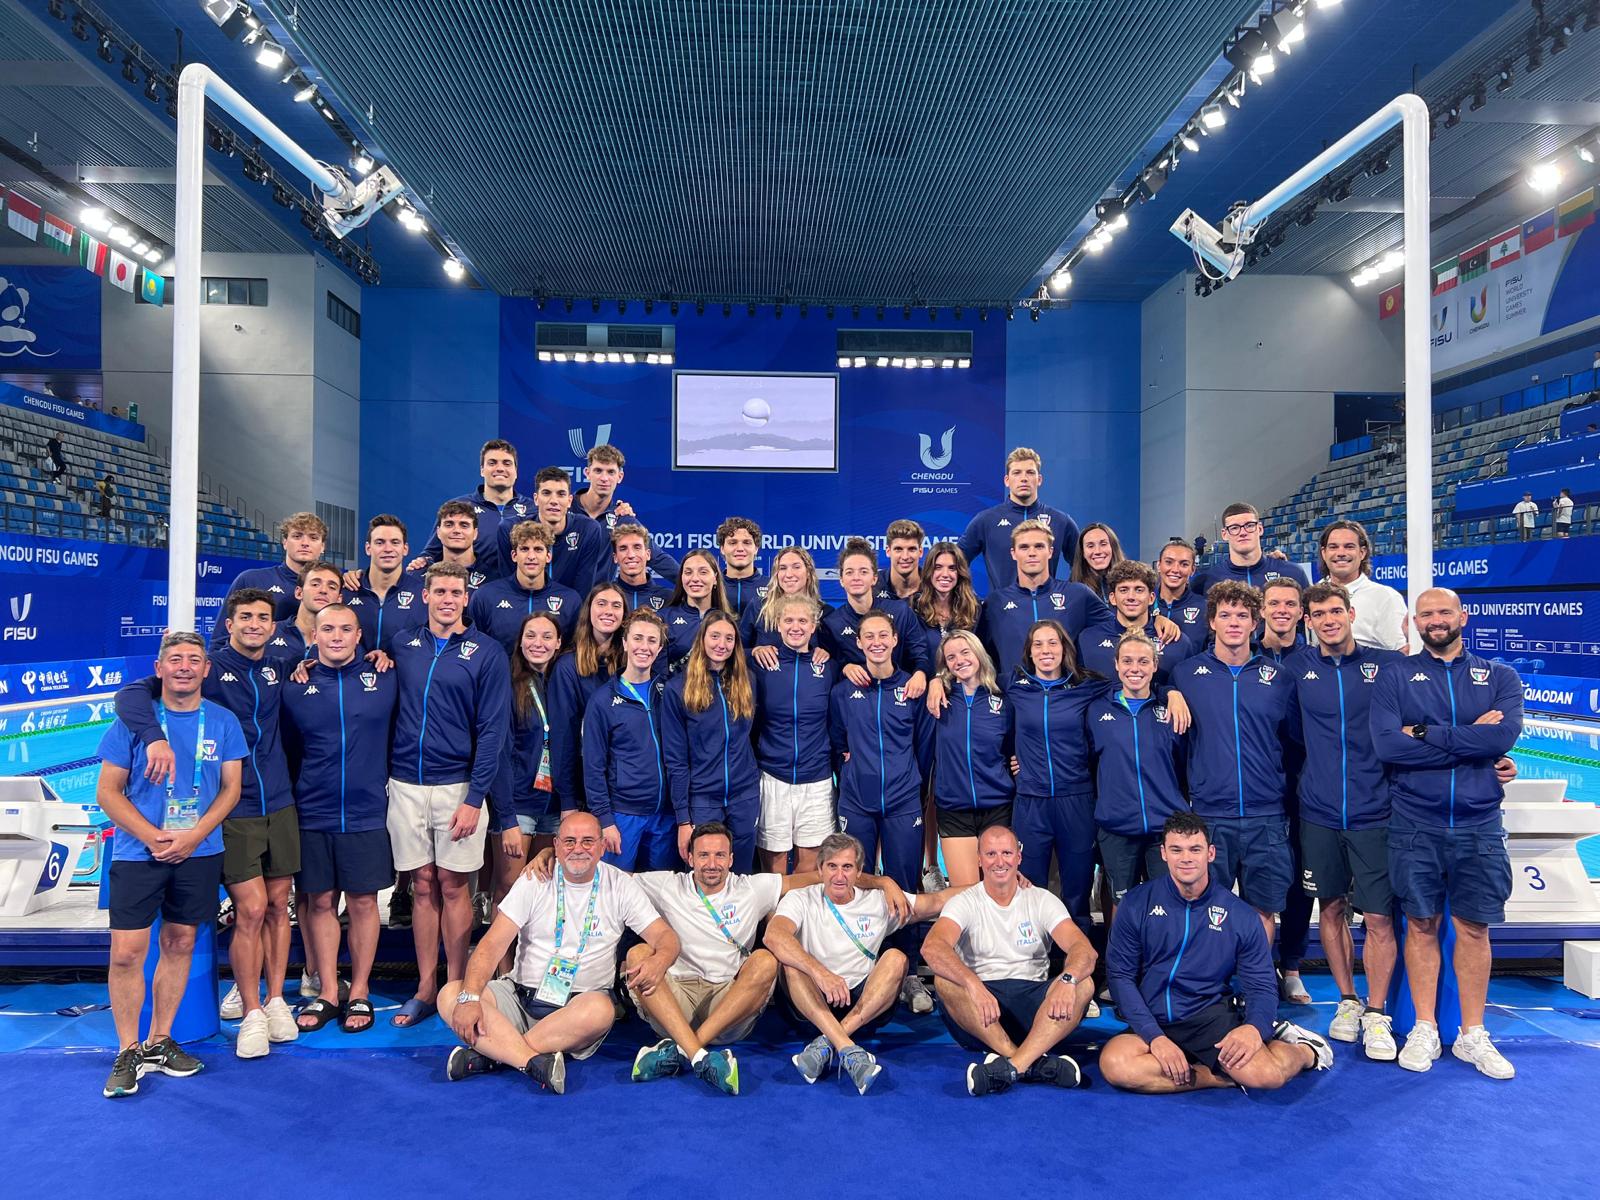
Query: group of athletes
{"points": [[706, 783]]}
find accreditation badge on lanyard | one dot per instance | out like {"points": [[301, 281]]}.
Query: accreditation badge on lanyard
{"points": [[541, 779], [556, 986], [182, 813]]}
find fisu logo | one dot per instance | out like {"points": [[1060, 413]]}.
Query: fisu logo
{"points": [[942, 459], [602, 434]]}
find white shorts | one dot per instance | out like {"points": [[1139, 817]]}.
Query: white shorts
{"points": [[419, 827], [795, 814]]}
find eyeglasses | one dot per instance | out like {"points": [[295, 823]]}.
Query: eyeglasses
{"points": [[588, 843], [1241, 527]]}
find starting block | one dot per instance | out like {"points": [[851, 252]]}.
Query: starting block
{"points": [[41, 839], [1549, 884]]}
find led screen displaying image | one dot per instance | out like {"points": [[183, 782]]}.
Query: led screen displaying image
{"points": [[726, 421]]}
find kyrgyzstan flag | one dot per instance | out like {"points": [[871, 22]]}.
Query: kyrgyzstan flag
{"points": [[123, 271], [23, 215], [1389, 302], [93, 254], [1506, 248]]}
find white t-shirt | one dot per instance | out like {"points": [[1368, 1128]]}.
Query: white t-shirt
{"points": [[531, 903], [822, 937], [1009, 942], [1380, 614], [1563, 510], [1525, 511], [743, 903]]}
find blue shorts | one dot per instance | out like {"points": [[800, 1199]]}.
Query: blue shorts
{"points": [[1255, 851], [1129, 860], [1019, 1003], [649, 842], [184, 893], [543, 825], [360, 863], [1470, 868]]}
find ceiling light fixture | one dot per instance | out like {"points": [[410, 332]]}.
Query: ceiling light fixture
{"points": [[454, 269], [270, 54]]}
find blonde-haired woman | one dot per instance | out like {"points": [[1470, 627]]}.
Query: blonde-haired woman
{"points": [[972, 745]]}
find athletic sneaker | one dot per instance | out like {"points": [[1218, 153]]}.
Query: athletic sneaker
{"points": [[483, 907], [170, 1058], [400, 908], [254, 1038], [548, 1071], [281, 1026], [1346, 1023], [862, 1067], [813, 1060], [225, 919], [657, 1061], [1298, 1035], [310, 985], [125, 1072], [933, 880], [232, 1007], [720, 1069], [914, 994], [1091, 1010], [1421, 1048], [993, 1074], [1473, 1046], [1377, 1034], [465, 1062], [1059, 1069]]}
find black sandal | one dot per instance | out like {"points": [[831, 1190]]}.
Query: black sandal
{"points": [[320, 1011], [359, 1007]]}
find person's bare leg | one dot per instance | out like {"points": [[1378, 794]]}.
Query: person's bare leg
{"points": [[363, 939], [1422, 966], [275, 935], [663, 1008], [171, 977], [578, 1024], [319, 930], [965, 1013], [961, 860], [1338, 947], [125, 981], [881, 991], [247, 948], [805, 859], [1269, 922], [1378, 953], [774, 862], [499, 1039], [1473, 957], [1047, 1032], [425, 920], [808, 1000], [455, 919], [1126, 1063], [1274, 1065], [752, 988]]}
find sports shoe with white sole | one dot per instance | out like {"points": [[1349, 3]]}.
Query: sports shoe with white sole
{"points": [[549, 1071], [1473, 1046], [1060, 1069], [232, 1007], [254, 1038], [657, 1061], [169, 1058], [1346, 1023], [861, 1066], [1298, 1035], [1377, 1036], [310, 985], [914, 994], [465, 1062], [993, 1074], [281, 1025], [125, 1072], [813, 1060], [720, 1069], [1421, 1048]]}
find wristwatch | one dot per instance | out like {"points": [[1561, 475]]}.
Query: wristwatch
{"points": [[1419, 732], [1068, 978], [468, 998]]}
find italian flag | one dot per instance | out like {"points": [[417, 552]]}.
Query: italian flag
{"points": [[58, 234], [93, 254]]}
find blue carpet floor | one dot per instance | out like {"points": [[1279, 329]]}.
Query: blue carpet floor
{"points": [[372, 1115]]}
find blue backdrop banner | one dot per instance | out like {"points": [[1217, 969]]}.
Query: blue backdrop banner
{"points": [[75, 414], [49, 319]]}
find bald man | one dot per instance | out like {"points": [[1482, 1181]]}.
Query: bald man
{"points": [[557, 1000], [1440, 719]]}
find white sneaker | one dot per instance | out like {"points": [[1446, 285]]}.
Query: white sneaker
{"points": [[1377, 1035], [232, 1005], [933, 880], [1298, 1035], [914, 994], [1473, 1046], [1421, 1048], [1346, 1023], [254, 1039], [1092, 1011], [310, 986], [281, 1026]]}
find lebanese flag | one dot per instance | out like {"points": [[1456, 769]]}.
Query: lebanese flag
{"points": [[1390, 302], [58, 234], [123, 271], [92, 253], [23, 215], [1506, 248], [1444, 276]]}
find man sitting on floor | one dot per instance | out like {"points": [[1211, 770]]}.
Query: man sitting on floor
{"points": [[557, 999]]}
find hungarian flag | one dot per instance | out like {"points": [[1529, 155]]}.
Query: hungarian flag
{"points": [[1444, 276], [152, 288], [1506, 248], [1390, 301], [1474, 262], [92, 253], [1573, 215], [1539, 232], [122, 271], [58, 234], [23, 215]]}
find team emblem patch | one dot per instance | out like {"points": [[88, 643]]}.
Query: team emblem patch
{"points": [[818, 670], [1190, 614], [762, 592], [864, 924], [553, 603], [572, 540], [1369, 671], [468, 649], [1057, 601], [1043, 519], [1268, 674], [520, 509], [1216, 915], [996, 703], [406, 598], [657, 601], [1479, 674], [475, 578], [1027, 935], [900, 695], [1160, 711], [369, 680]]}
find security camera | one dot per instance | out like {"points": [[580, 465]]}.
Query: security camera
{"points": [[1221, 250], [356, 203]]}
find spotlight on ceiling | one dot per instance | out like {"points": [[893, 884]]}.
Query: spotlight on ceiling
{"points": [[1545, 177], [454, 269], [152, 89], [1061, 280], [1212, 116], [228, 15], [269, 54], [1480, 97], [1252, 55], [105, 49], [1503, 82], [129, 71]]}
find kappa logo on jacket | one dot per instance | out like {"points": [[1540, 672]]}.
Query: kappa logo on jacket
{"points": [[1010, 604], [849, 630], [414, 642], [1202, 670], [616, 700], [504, 604], [858, 694], [355, 602], [1005, 523], [1108, 716], [276, 588], [1158, 911], [1419, 677], [229, 677], [278, 641], [1309, 675], [311, 689]]}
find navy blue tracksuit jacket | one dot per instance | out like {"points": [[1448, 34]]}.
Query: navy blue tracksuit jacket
{"points": [[1009, 611], [337, 728], [791, 722], [1343, 784], [455, 704], [623, 771], [1242, 717]]}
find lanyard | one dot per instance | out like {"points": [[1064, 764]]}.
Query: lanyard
{"points": [[633, 691], [717, 917], [199, 748], [544, 719], [561, 915], [848, 932]]}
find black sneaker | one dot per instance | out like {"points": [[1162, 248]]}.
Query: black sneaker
{"points": [[125, 1072], [400, 908], [1059, 1069], [993, 1074], [170, 1058], [465, 1062], [548, 1071]]}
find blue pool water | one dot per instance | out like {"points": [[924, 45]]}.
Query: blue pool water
{"points": [[1570, 750]]}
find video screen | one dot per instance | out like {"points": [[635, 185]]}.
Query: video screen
{"points": [[726, 421]]}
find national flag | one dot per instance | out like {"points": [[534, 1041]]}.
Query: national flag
{"points": [[1574, 214], [92, 253], [1444, 276], [1506, 248], [1389, 302], [58, 234], [152, 288], [122, 271], [1539, 232], [1474, 262], [23, 215]]}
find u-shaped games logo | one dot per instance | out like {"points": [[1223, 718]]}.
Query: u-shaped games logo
{"points": [[1478, 306]]}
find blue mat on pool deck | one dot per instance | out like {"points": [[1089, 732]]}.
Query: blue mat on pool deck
{"points": [[373, 1116]]}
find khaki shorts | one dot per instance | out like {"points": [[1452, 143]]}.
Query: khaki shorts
{"points": [[696, 998], [518, 1006], [419, 827]]}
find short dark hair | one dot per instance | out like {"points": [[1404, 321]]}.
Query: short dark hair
{"points": [[1231, 591], [857, 547], [1177, 544], [1363, 540], [238, 599], [1131, 570], [1321, 593], [321, 567], [383, 519], [709, 829], [1282, 581], [496, 444], [552, 475], [456, 508], [1185, 824], [1240, 508]]}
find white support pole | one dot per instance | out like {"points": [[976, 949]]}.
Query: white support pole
{"points": [[196, 84]]}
